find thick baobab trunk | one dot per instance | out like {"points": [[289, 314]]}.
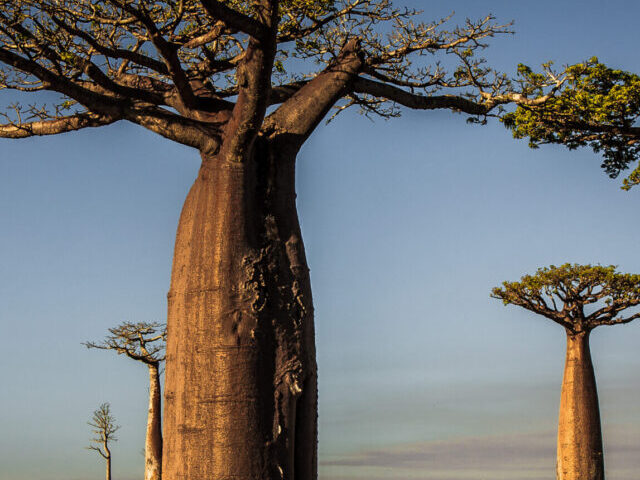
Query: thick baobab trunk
{"points": [[153, 441], [240, 384], [579, 436]]}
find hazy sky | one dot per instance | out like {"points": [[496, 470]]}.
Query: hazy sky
{"points": [[408, 225]]}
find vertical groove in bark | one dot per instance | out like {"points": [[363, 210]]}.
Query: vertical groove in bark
{"points": [[297, 340], [240, 351], [580, 455], [153, 441]]}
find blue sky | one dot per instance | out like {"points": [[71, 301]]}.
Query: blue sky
{"points": [[408, 225]]}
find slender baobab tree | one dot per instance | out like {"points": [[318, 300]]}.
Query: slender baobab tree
{"points": [[104, 428], [145, 343], [579, 298], [245, 83]]}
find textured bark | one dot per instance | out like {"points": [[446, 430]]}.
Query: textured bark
{"points": [[153, 441], [579, 436], [240, 385]]}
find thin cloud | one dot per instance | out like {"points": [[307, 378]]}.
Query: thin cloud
{"points": [[513, 457], [466, 453]]}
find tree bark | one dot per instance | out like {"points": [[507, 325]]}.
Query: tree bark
{"points": [[108, 461], [153, 441], [240, 382], [580, 455]]}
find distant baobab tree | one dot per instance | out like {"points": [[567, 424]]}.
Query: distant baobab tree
{"points": [[104, 427], [580, 298], [143, 342]]}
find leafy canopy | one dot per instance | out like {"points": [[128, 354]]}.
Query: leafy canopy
{"points": [[597, 107], [562, 293]]}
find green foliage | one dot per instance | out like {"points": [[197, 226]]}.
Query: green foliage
{"points": [[596, 106], [570, 278], [560, 293]]}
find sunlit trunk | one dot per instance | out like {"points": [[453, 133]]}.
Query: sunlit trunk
{"points": [[153, 441], [108, 459], [579, 435], [240, 384]]}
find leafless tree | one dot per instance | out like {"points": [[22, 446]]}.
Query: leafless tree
{"points": [[145, 343], [104, 428]]}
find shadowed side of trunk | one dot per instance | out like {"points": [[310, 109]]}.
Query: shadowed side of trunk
{"points": [[153, 441], [580, 455], [240, 371]]}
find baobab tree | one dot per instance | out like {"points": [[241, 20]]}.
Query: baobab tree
{"points": [[104, 428], [145, 343], [597, 107], [579, 298], [245, 83]]}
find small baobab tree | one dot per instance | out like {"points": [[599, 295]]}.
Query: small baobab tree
{"points": [[104, 427], [579, 298], [143, 342]]}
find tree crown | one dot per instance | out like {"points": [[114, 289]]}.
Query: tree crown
{"points": [[193, 70], [562, 293], [104, 428], [597, 107], [142, 341]]}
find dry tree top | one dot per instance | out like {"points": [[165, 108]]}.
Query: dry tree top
{"points": [[578, 297], [104, 427], [144, 342], [190, 69]]}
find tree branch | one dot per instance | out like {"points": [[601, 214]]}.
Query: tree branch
{"points": [[118, 53], [193, 133], [305, 109], [254, 82], [234, 19], [97, 449], [419, 102], [55, 126], [91, 99], [167, 50], [606, 314], [619, 320]]}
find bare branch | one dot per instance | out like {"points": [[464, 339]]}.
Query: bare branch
{"points": [[419, 102], [234, 19], [104, 427], [168, 51], [55, 126], [143, 342], [193, 133], [121, 53], [620, 320], [305, 109]]}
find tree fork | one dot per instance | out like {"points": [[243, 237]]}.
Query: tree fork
{"points": [[580, 455], [240, 323]]}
